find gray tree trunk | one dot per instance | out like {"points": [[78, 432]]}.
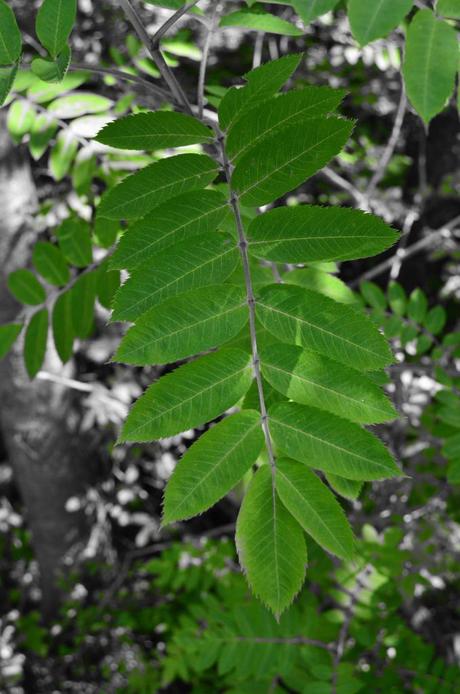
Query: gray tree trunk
{"points": [[47, 465]]}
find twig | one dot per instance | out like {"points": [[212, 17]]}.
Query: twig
{"points": [[165, 71], [243, 246], [390, 148], [204, 60], [156, 38], [119, 74], [359, 198], [411, 217], [258, 47], [432, 238]]}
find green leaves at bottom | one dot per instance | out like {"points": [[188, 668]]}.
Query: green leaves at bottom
{"points": [[271, 544], [189, 396], [213, 466], [314, 507], [329, 443], [35, 342]]}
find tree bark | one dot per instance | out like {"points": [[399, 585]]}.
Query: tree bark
{"points": [[43, 452]]}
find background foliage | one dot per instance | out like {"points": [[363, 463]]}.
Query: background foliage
{"points": [[145, 611]]}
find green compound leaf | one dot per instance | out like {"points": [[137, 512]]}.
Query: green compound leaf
{"points": [[213, 466], [326, 442], [151, 131], [49, 262], [189, 396], [310, 233], [271, 545], [283, 161], [162, 180], [299, 316], [187, 215], [430, 66], [185, 325], [35, 342], [62, 323], [265, 119], [373, 20], [205, 260], [26, 288], [52, 70], [75, 242], [54, 22], [8, 335], [313, 379], [262, 83], [349, 489], [314, 507], [10, 36], [260, 21]]}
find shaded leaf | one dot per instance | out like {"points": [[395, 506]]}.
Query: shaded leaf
{"points": [[49, 262], [83, 296], [373, 20], [213, 465], [283, 161], [148, 188], [189, 396], [271, 545], [75, 241], [313, 379], [204, 260], [309, 233], [191, 214], [314, 507], [62, 322], [52, 70], [329, 443], [299, 316], [154, 130], [185, 325]]}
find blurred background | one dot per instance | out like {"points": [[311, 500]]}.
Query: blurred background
{"points": [[94, 598]]}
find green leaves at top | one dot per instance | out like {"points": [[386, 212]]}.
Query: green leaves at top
{"points": [[308, 319], [189, 396], [430, 65], [204, 260], [192, 214], [286, 159], [55, 20], [213, 465], [315, 507], [372, 20], [10, 36], [258, 20], [309, 233], [278, 112], [154, 130], [139, 193], [313, 379], [326, 442], [262, 83], [185, 325], [271, 544]]}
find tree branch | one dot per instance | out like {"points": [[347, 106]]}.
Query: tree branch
{"points": [[204, 60]]}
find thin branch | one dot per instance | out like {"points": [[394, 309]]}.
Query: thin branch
{"points": [[119, 74], [359, 198], [250, 298], [430, 239], [204, 60], [391, 145], [258, 48], [165, 71], [156, 38]]}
